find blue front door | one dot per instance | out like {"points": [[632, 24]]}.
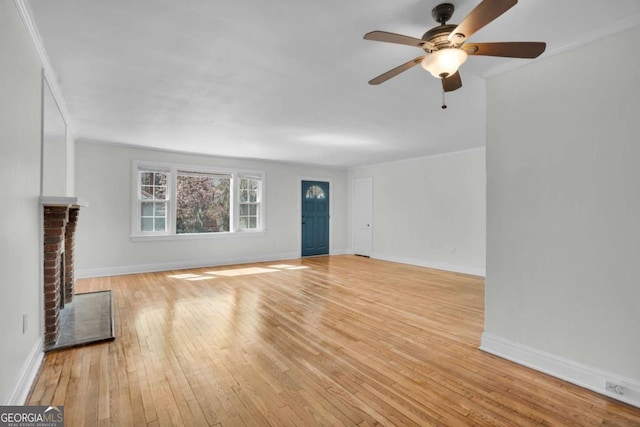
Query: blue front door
{"points": [[315, 218]]}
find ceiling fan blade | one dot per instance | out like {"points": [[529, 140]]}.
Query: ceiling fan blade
{"points": [[394, 72], [452, 83], [507, 49], [383, 36], [484, 13]]}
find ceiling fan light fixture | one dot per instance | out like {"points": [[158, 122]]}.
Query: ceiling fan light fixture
{"points": [[444, 62]]}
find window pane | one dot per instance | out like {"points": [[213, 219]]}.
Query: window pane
{"points": [[159, 209], [160, 193], [244, 211], [244, 196], [243, 222], [202, 203], [252, 222], [147, 224], [253, 209], [146, 209], [160, 224], [253, 197], [314, 192], [146, 192], [146, 178]]}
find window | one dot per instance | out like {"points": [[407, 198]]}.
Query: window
{"points": [[174, 200], [202, 202], [314, 192], [152, 196], [249, 202]]}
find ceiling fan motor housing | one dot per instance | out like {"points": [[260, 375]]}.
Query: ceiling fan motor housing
{"points": [[438, 37]]}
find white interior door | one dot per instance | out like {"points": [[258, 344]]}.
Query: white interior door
{"points": [[362, 216]]}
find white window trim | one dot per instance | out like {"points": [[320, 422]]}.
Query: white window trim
{"points": [[172, 170]]}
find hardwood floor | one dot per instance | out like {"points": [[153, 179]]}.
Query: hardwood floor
{"points": [[339, 340]]}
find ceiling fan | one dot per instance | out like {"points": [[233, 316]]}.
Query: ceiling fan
{"points": [[446, 48]]}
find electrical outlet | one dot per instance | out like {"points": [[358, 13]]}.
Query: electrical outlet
{"points": [[615, 388], [25, 323]]}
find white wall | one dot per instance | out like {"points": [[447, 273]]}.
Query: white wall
{"points": [[70, 162], [103, 244], [563, 209], [20, 218], [430, 211]]}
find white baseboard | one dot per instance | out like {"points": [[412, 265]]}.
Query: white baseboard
{"points": [[340, 252], [179, 265], [27, 375], [568, 370], [475, 271]]}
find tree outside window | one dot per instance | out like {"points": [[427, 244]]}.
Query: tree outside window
{"points": [[202, 203]]}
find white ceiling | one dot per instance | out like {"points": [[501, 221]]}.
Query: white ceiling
{"points": [[285, 80]]}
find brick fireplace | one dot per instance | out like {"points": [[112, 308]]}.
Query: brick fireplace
{"points": [[60, 220]]}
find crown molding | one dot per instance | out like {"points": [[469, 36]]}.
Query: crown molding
{"points": [[25, 14]]}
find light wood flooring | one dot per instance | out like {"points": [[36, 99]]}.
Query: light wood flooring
{"points": [[333, 341]]}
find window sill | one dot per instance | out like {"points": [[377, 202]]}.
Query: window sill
{"points": [[195, 236]]}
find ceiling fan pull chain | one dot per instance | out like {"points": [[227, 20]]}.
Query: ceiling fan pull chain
{"points": [[444, 105]]}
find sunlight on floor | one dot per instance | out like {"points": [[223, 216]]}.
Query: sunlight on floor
{"points": [[185, 276], [197, 279], [236, 272], [242, 271], [288, 267]]}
